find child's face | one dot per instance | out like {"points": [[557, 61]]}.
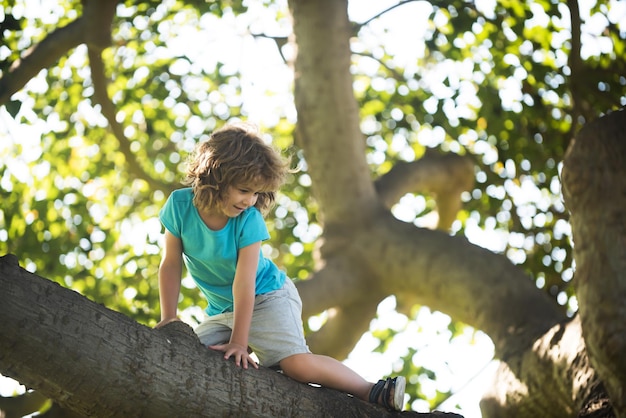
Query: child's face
{"points": [[238, 199]]}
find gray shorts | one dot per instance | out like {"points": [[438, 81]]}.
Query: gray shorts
{"points": [[275, 332]]}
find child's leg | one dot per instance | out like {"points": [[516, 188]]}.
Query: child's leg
{"points": [[215, 329], [326, 371]]}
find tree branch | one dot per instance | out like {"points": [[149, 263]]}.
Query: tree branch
{"points": [[445, 176], [394, 73], [575, 64], [109, 111], [352, 302], [376, 16], [41, 56], [280, 41], [100, 14], [146, 372]]}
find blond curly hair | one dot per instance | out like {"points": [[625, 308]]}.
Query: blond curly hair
{"points": [[237, 156]]}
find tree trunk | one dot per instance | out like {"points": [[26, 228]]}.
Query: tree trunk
{"points": [[594, 187], [100, 363]]}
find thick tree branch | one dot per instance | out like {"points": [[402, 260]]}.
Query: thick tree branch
{"points": [[449, 274], [395, 258], [445, 176], [156, 373]]}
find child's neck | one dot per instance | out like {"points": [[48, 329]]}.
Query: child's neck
{"points": [[215, 220]]}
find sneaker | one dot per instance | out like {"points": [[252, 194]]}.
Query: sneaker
{"points": [[389, 393]]}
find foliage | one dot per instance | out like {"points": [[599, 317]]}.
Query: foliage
{"points": [[504, 85]]}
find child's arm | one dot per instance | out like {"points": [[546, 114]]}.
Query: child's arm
{"points": [[243, 295], [170, 275]]}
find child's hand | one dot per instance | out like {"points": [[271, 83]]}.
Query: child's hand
{"points": [[239, 352], [166, 321]]}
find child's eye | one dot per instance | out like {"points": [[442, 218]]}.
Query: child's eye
{"points": [[246, 191]]}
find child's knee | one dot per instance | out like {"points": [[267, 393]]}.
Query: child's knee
{"points": [[296, 366]]}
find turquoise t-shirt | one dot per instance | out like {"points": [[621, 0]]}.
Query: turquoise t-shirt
{"points": [[211, 256]]}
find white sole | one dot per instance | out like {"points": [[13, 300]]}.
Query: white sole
{"points": [[398, 393]]}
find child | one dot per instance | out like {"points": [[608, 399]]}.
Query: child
{"points": [[215, 226]]}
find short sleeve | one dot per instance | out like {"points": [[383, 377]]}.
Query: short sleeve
{"points": [[168, 217], [253, 228]]}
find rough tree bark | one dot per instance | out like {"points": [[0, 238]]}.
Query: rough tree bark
{"points": [[100, 363], [594, 187]]}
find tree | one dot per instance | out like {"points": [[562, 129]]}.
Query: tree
{"points": [[364, 254]]}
